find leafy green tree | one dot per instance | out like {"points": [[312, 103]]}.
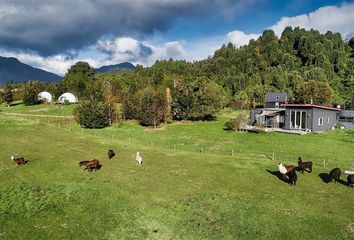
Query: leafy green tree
{"points": [[79, 77], [8, 95], [152, 108], [316, 92], [198, 100], [31, 91], [92, 114]]}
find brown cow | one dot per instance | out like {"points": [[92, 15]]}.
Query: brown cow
{"points": [[91, 164], [18, 160]]}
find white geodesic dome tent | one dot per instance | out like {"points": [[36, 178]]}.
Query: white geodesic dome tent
{"points": [[71, 98], [45, 97]]}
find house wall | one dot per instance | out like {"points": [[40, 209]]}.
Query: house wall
{"points": [[323, 113], [252, 115], [308, 117], [272, 104], [313, 115]]}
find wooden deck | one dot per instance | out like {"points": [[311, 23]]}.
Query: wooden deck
{"points": [[250, 128]]}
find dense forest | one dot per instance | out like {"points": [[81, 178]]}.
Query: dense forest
{"points": [[309, 66]]}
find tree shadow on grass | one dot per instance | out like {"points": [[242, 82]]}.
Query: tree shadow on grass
{"points": [[278, 175], [15, 104], [325, 178]]}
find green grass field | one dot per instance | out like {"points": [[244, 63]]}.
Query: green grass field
{"points": [[189, 187], [41, 109]]}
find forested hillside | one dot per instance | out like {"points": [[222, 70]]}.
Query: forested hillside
{"points": [[309, 66]]}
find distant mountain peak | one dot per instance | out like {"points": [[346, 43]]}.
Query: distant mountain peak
{"points": [[117, 67], [349, 36], [12, 70]]}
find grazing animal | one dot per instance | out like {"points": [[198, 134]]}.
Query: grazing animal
{"points": [[139, 159], [304, 165], [111, 154], [292, 177], [350, 180], [284, 169], [18, 160], [91, 164], [334, 174]]}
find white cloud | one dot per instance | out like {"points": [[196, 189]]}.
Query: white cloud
{"points": [[239, 38], [131, 50], [121, 49], [330, 18], [107, 52]]}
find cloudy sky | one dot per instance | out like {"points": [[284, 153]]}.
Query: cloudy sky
{"points": [[53, 34]]}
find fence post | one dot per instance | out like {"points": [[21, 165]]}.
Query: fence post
{"points": [[174, 146], [324, 163]]}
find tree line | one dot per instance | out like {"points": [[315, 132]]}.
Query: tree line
{"points": [[311, 67]]}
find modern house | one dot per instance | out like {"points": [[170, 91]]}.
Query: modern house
{"points": [[278, 113], [346, 119]]}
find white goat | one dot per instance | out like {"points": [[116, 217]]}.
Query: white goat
{"points": [[139, 159]]}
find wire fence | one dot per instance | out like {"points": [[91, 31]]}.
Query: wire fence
{"points": [[150, 142]]}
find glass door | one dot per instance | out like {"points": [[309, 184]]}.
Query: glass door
{"points": [[297, 119]]}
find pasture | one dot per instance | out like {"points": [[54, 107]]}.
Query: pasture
{"points": [[197, 182], [41, 109]]}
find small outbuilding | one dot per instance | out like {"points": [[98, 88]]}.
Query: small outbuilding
{"points": [[45, 97], [69, 97], [278, 113]]}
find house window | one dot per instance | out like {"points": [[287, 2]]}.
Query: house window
{"points": [[327, 119], [320, 121]]}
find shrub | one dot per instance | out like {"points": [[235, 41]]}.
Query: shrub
{"points": [[92, 114], [66, 102], [152, 107], [197, 100], [238, 123], [31, 91], [260, 125]]}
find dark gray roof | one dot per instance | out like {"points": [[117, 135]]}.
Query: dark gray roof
{"points": [[347, 113], [276, 97]]}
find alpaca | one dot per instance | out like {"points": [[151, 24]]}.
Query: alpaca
{"points": [[139, 159], [18, 160], [350, 180], [292, 177], [91, 164], [304, 165], [284, 169], [334, 174], [111, 154]]}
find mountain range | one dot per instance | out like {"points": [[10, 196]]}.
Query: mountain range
{"points": [[117, 67], [14, 71]]}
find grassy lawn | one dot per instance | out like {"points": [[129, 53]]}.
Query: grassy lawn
{"points": [[41, 109], [189, 187]]}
